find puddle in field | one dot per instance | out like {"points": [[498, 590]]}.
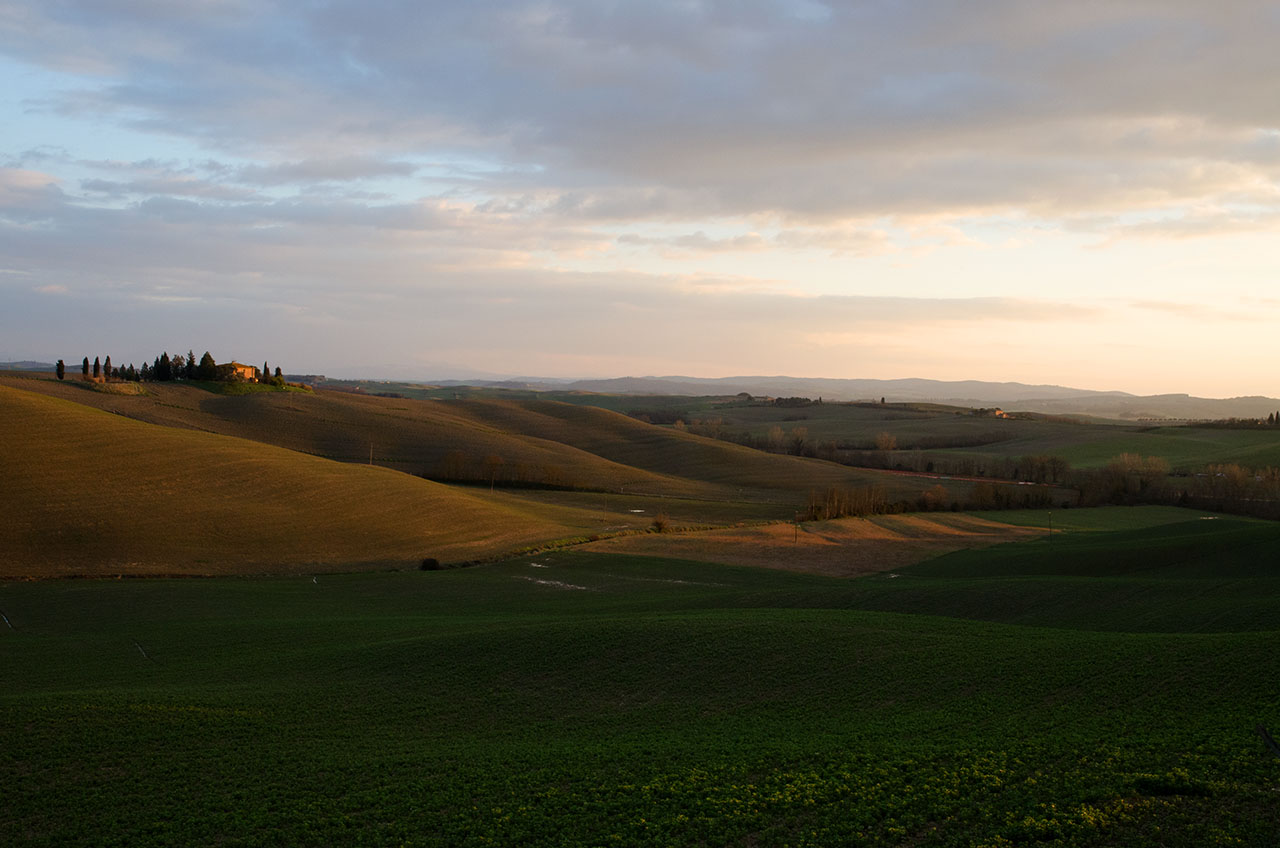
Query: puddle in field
{"points": [[662, 580], [557, 584]]}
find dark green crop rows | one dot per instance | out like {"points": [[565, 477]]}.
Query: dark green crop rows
{"points": [[1097, 699]]}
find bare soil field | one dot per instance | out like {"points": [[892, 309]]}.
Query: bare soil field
{"points": [[846, 547]]}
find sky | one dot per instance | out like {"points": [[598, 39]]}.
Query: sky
{"points": [[1082, 194]]}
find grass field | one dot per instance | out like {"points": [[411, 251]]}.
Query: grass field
{"points": [[1184, 448], [1097, 518], [1083, 445], [1022, 695]]}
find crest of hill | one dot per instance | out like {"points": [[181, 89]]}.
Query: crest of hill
{"points": [[622, 439], [1061, 400], [27, 365], [839, 389], [89, 493], [570, 445], [417, 437]]}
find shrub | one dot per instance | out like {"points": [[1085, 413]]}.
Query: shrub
{"points": [[429, 564], [661, 522]]}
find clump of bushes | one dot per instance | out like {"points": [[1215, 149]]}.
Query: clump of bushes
{"points": [[429, 564]]}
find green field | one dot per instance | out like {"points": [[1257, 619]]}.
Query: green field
{"points": [[1185, 448], [942, 432], [1097, 518], [1100, 689]]}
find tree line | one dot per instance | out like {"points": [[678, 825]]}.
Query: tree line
{"points": [[1272, 420], [165, 368], [1126, 479], [885, 452]]}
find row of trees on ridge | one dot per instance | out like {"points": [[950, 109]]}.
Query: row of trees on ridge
{"points": [[165, 368]]}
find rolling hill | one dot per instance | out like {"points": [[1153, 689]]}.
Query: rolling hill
{"points": [[91, 493], [503, 441]]}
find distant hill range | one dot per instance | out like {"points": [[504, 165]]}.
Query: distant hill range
{"points": [[1059, 400], [28, 365], [1052, 400]]}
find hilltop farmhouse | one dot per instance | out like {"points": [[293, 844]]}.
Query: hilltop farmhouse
{"points": [[236, 371]]}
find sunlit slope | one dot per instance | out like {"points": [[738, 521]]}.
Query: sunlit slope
{"points": [[87, 492], [435, 438], [519, 440]]}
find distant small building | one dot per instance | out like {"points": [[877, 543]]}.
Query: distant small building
{"points": [[236, 371]]}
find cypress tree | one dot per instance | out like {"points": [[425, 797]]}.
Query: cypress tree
{"points": [[208, 369], [97, 368], [60, 369], [278, 374], [266, 372], [191, 365], [84, 368], [106, 369]]}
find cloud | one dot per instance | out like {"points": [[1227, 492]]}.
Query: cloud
{"points": [[500, 170], [860, 109], [1197, 224], [27, 195], [322, 170], [1199, 312], [171, 186], [838, 240]]}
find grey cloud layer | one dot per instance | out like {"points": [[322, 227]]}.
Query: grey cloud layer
{"points": [[803, 110]]}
